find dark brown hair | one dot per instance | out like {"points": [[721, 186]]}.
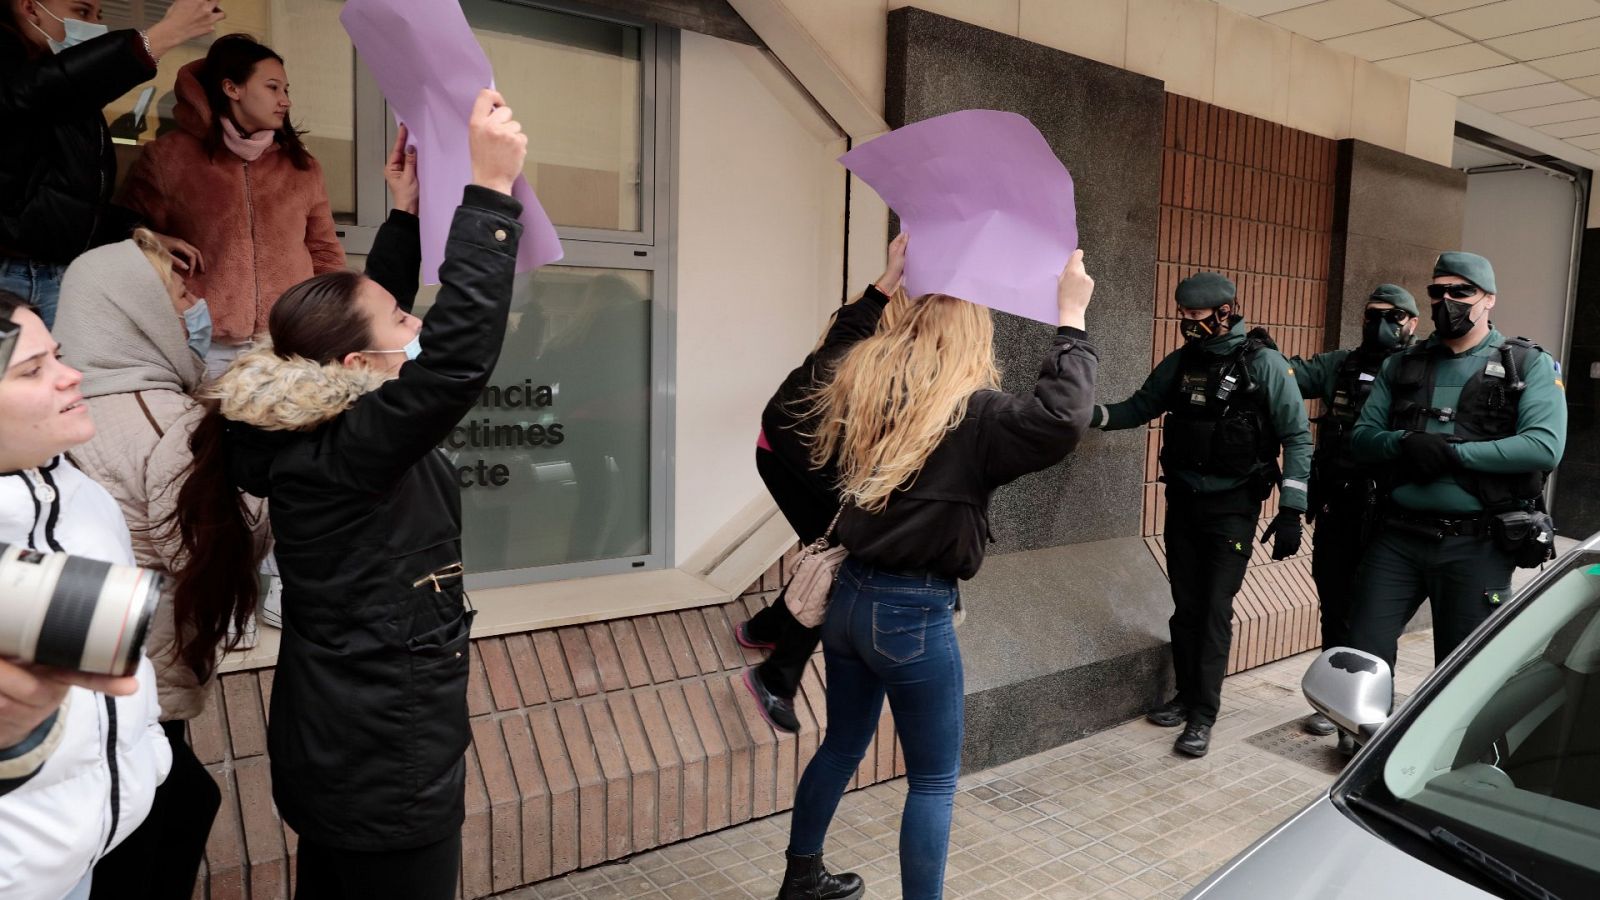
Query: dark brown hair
{"points": [[10, 303], [217, 585], [318, 319], [14, 27], [234, 58]]}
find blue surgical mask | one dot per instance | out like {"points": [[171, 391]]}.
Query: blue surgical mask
{"points": [[78, 31], [197, 319], [412, 349]]}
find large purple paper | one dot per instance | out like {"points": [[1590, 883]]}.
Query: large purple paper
{"points": [[987, 204], [430, 68]]}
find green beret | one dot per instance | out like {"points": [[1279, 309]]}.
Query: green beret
{"points": [[1207, 290], [1470, 266], [1396, 296]]}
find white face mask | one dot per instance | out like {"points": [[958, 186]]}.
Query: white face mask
{"points": [[78, 31]]}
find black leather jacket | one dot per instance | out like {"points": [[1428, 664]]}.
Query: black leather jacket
{"points": [[57, 168]]}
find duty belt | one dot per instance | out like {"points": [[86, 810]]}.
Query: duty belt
{"points": [[1440, 524]]}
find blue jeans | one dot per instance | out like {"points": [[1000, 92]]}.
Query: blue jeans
{"points": [[890, 633], [37, 283]]}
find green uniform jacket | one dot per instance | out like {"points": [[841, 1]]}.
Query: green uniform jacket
{"points": [[1537, 445], [1316, 376], [1286, 415]]}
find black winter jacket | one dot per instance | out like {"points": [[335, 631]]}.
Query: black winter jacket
{"points": [[369, 710], [940, 524], [809, 497], [57, 168]]}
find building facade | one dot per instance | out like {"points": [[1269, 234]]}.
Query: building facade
{"points": [[616, 529]]}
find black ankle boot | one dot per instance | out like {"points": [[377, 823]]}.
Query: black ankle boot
{"points": [[806, 879]]}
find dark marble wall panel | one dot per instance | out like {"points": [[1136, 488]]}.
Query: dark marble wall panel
{"points": [[1067, 621], [1031, 613], [1577, 488], [1393, 215], [1105, 124], [1017, 720]]}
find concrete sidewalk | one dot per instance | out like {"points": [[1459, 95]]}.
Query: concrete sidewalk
{"points": [[1116, 815]]}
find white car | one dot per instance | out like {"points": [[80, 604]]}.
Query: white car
{"points": [[1486, 783]]}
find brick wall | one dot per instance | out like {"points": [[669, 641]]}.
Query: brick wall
{"points": [[1253, 200], [589, 743]]}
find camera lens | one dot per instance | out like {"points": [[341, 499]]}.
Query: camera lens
{"points": [[74, 613]]}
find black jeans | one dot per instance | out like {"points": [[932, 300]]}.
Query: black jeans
{"points": [[809, 511], [1337, 548], [420, 873], [793, 645], [1464, 577], [1208, 538], [161, 858]]}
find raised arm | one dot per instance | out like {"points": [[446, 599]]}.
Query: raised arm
{"points": [[1024, 433], [396, 257], [79, 79], [390, 429]]}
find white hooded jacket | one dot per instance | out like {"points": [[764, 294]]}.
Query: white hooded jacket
{"points": [[58, 823]]}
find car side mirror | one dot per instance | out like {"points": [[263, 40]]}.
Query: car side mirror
{"points": [[1352, 688]]}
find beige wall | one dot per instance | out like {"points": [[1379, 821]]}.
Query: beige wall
{"points": [[760, 254], [1200, 49]]}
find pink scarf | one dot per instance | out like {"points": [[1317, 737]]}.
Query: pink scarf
{"points": [[249, 148]]}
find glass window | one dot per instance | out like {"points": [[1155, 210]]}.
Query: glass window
{"points": [[582, 80], [317, 55], [554, 461], [1505, 756], [562, 464]]}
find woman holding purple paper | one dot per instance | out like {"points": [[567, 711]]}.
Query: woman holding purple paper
{"points": [[913, 420], [335, 423]]}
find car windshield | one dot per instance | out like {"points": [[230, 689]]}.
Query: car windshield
{"points": [[1506, 753]]}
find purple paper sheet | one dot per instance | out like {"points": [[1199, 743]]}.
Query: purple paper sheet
{"points": [[988, 206], [430, 68]]}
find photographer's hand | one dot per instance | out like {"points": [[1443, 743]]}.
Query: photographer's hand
{"points": [[29, 694]]}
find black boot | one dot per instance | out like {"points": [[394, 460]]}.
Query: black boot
{"points": [[1319, 724], [778, 711], [806, 879], [1169, 715], [1195, 740]]}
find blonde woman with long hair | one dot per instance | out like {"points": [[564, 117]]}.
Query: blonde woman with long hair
{"points": [[913, 419]]}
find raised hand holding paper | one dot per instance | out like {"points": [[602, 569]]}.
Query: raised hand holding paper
{"points": [[988, 201], [430, 68]]}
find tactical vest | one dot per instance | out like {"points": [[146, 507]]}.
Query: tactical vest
{"points": [[1486, 411], [1352, 385], [1216, 420]]}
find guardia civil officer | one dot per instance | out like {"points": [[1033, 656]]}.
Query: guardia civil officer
{"points": [[1343, 495], [1471, 423], [1230, 402]]}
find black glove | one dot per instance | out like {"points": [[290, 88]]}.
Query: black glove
{"points": [[1286, 532], [1424, 457]]}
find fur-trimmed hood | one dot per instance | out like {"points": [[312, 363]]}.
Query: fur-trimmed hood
{"points": [[270, 402], [273, 393]]}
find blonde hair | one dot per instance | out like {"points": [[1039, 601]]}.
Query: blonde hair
{"points": [[893, 397], [160, 258]]}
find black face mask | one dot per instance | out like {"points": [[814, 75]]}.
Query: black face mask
{"points": [[1384, 329], [1452, 318], [1200, 329]]}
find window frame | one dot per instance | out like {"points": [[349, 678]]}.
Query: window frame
{"points": [[652, 249]]}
